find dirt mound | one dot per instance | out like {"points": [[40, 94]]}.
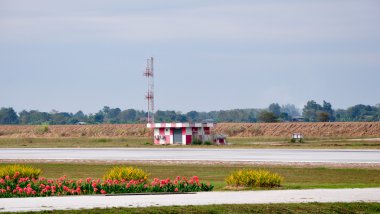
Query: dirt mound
{"points": [[104, 130], [349, 129]]}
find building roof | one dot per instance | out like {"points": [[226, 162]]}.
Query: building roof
{"points": [[178, 125]]}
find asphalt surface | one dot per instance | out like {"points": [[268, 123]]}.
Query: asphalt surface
{"points": [[203, 198], [265, 155]]}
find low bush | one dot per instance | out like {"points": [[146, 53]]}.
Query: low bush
{"points": [[208, 143], [126, 173], [196, 142], [254, 178], [293, 140], [16, 170], [42, 129], [26, 187]]}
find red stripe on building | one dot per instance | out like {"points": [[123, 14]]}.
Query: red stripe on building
{"points": [[188, 139], [162, 131], [207, 130]]}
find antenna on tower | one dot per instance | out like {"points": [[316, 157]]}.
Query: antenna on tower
{"points": [[150, 94]]}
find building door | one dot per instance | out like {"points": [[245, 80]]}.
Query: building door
{"points": [[177, 136]]}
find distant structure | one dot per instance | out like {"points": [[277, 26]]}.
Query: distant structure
{"points": [[148, 73], [181, 133], [176, 133]]}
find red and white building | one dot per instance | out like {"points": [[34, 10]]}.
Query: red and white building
{"points": [[181, 133]]}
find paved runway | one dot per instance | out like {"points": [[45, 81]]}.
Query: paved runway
{"points": [[188, 154], [202, 198]]}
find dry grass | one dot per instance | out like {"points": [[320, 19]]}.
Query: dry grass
{"points": [[319, 130]]}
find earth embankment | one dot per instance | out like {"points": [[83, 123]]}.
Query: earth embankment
{"points": [[336, 129]]}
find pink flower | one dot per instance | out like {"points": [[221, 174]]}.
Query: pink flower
{"points": [[88, 180], [176, 189], [95, 189], [7, 177], [103, 191]]}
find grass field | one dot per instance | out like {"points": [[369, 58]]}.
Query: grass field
{"points": [[344, 208], [295, 177], [234, 142]]}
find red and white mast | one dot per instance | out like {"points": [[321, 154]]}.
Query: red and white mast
{"points": [[150, 94]]}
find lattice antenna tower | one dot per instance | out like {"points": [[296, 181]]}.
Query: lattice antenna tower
{"points": [[148, 73]]}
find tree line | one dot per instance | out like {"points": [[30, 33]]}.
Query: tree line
{"points": [[311, 112]]}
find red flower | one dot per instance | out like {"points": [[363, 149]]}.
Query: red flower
{"points": [[16, 174], [176, 189], [88, 180], [103, 191]]}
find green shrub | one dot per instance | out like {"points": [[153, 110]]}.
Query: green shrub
{"points": [[23, 171], [126, 173], [102, 140], [208, 143], [293, 140], [42, 129], [254, 178], [196, 142]]}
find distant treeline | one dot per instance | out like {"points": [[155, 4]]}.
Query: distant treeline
{"points": [[312, 112]]}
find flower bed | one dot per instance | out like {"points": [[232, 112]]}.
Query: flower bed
{"points": [[42, 187]]}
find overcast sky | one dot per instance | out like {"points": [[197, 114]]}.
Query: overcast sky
{"points": [[75, 55]]}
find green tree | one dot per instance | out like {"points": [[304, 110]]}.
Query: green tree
{"points": [[291, 110], [192, 116], [309, 111], [363, 113], [327, 108], [8, 116], [128, 116], [275, 108], [267, 117], [323, 116], [34, 117], [61, 118]]}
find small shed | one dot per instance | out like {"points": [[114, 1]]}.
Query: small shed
{"points": [[181, 133]]}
